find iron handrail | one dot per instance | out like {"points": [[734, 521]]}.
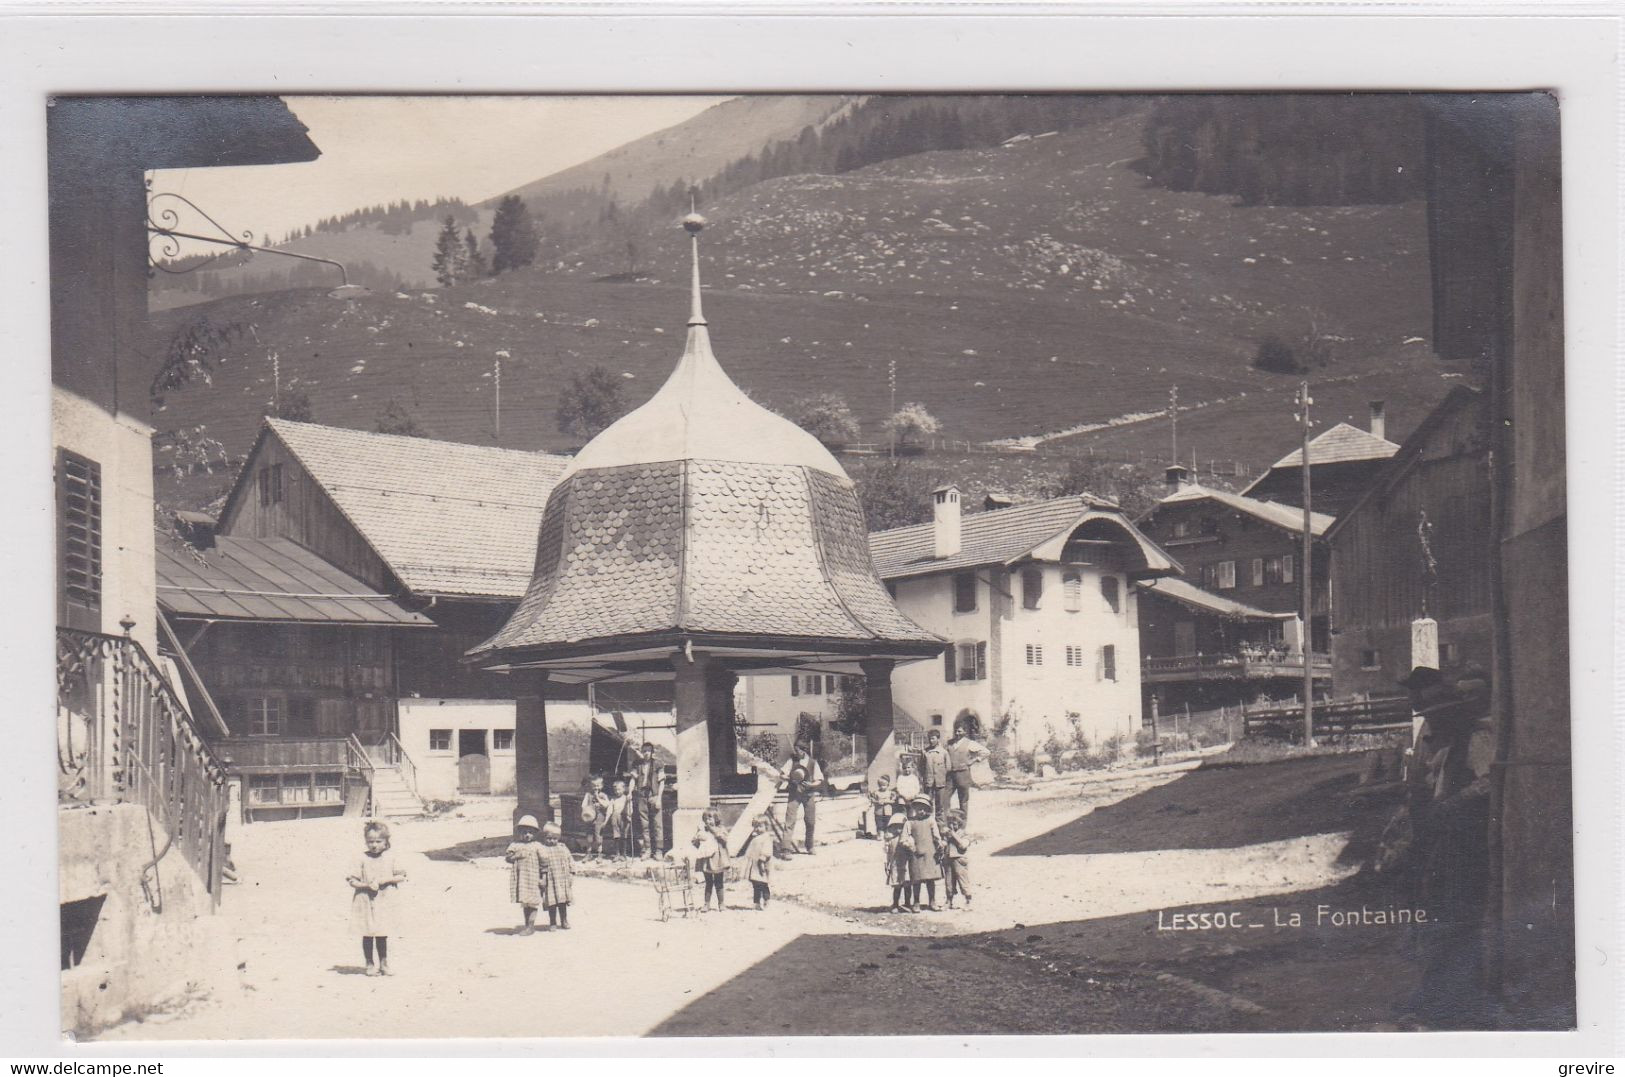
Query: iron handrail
{"points": [[408, 769]]}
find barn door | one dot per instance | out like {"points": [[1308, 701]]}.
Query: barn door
{"points": [[473, 763]]}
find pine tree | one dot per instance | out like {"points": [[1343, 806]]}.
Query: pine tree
{"points": [[514, 242], [450, 256], [474, 257]]}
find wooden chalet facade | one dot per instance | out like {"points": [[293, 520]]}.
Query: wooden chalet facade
{"points": [[1345, 460], [348, 571], [1228, 632], [1417, 543]]}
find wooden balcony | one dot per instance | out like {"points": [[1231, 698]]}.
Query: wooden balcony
{"points": [[1237, 666]]}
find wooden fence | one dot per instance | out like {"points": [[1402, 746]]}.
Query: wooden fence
{"points": [[1339, 717]]}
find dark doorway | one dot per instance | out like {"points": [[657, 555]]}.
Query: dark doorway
{"points": [[473, 762]]}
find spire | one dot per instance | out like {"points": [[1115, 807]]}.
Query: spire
{"points": [[694, 224]]}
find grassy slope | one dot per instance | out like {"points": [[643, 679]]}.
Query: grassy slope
{"points": [[1022, 290]]}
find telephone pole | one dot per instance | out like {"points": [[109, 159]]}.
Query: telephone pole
{"points": [[1173, 424], [891, 380], [496, 383], [1304, 400]]}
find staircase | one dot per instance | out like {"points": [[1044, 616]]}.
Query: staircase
{"points": [[391, 797]]}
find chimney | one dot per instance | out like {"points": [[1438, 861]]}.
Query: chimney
{"points": [[1177, 477], [945, 520], [1379, 424]]}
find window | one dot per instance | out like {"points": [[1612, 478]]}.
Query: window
{"points": [[270, 479], [1182, 529], [1072, 590], [1032, 587], [439, 740], [264, 789], [964, 662], [1272, 570], [296, 789], [302, 716], [1258, 572], [829, 684], [329, 788], [950, 665], [1286, 569], [264, 714], [502, 740], [1108, 662], [795, 685], [813, 685], [936, 719], [1074, 657], [1110, 591], [79, 543], [1035, 654], [1226, 573], [964, 592], [1371, 659]]}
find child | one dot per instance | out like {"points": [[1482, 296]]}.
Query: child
{"points": [[898, 848], [926, 838], [758, 854], [711, 855], [525, 879], [557, 868], [595, 813], [908, 782], [620, 822], [955, 844], [375, 880], [872, 824]]}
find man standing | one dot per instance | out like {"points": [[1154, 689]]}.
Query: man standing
{"points": [[964, 752], [805, 779], [648, 787], [934, 772]]}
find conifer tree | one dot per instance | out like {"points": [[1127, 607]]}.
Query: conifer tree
{"points": [[474, 257], [450, 255], [514, 242]]}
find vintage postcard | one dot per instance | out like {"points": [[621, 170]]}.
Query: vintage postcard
{"points": [[810, 565]]}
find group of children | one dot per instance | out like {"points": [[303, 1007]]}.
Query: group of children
{"points": [[920, 852], [541, 873], [710, 857]]}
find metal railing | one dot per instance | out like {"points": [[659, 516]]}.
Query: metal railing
{"points": [[125, 737], [403, 763], [359, 762]]}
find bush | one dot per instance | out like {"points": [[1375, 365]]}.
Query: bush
{"points": [[1276, 356], [764, 746], [1026, 763], [1145, 744]]}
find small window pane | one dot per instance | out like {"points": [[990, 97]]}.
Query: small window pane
{"points": [[1108, 662], [1072, 590], [439, 740], [329, 788], [264, 789], [964, 592]]}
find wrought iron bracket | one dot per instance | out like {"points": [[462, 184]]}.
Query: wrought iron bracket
{"points": [[164, 237]]}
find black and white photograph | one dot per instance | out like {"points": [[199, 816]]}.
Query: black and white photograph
{"points": [[809, 565]]}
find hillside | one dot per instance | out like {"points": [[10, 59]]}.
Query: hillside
{"points": [[1024, 291]]}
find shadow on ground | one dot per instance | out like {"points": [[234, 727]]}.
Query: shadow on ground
{"points": [[1221, 806], [1123, 974]]}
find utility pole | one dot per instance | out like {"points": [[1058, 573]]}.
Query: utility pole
{"points": [[276, 384], [1303, 402], [891, 379], [1173, 424], [496, 383]]}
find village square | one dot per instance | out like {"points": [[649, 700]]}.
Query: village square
{"points": [[722, 721]]}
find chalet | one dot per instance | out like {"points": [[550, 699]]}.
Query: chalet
{"points": [[1417, 544], [135, 772], [327, 613], [1040, 607], [1344, 459], [1230, 631]]}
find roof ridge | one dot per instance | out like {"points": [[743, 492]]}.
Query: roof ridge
{"points": [[412, 439]]}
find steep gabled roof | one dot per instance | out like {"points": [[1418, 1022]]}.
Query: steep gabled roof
{"points": [[1003, 536], [1286, 517], [1341, 444], [447, 518], [247, 579]]}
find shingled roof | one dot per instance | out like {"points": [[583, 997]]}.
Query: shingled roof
{"points": [[247, 579], [1207, 602], [447, 518], [1342, 444], [1286, 517], [1003, 536]]}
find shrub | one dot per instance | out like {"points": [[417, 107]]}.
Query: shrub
{"points": [[1026, 763], [1276, 356]]}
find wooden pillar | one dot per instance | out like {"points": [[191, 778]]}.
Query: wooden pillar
{"points": [[878, 731], [688, 706], [721, 733], [530, 745]]}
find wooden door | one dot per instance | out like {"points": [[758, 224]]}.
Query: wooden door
{"points": [[473, 763]]}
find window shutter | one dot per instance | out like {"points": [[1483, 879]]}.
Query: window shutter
{"points": [[795, 684], [1108, 661], [829, 685], [1286, 569], [949, 660], [1258, 572], [981, 661], [79, 540]]}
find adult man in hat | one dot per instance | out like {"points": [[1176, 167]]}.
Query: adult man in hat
{"points": [[804, 781], [648, 789], [964, 752], [934, 767], [1447, 862]]}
